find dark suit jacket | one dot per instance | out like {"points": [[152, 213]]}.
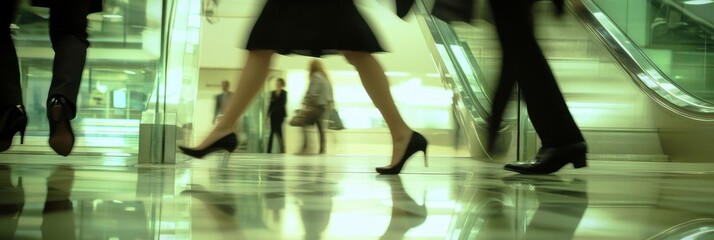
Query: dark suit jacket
{"points": [[219, 104], [456, 10], [97, 5], [277, 104]]}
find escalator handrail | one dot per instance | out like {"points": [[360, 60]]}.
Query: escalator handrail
{"points": [[477, 103], [689, 230], [642, 70]]}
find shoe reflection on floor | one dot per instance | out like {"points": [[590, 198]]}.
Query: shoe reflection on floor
{"points": [[57, 215]]}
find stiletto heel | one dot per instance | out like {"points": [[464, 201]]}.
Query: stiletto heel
{"points": [[579, 162], [22, 136], [416, 143], [227, 143], [426, 163], [12, 121]]}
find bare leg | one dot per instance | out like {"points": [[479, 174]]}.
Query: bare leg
{"points": [[251, 80], [377, 86]]}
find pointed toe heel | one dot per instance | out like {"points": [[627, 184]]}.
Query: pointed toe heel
{"points": [[229, 143], [416, 143]]}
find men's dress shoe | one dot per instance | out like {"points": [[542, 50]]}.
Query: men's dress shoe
{"points": [[551, 159], [61, 134]]}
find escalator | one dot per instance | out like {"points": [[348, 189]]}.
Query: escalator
{"points": [[638, 89]]}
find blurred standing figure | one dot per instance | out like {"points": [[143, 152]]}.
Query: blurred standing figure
{"points": [[315, 28], [277, 114], [221, 100], [525, 64], [68, 34], [319, 96]]}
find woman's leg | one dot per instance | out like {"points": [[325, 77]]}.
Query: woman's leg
{"points": [[304, 139], [377, 86], [321, 134], [251, 80]]}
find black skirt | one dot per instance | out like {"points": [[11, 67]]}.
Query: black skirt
{"points": [[312, 27]]}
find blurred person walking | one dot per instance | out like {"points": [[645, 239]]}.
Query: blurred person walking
{"points": [[221, 100], [314, 28], [320, 98], [525, 64], [277, 114]]}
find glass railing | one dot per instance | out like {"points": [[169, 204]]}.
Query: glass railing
{"points": [[142, 54], [644, 36], [461, 63], [615, 44]]}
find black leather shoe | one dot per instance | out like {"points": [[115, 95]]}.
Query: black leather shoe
{"points": [[551, 159], [61, 134]]}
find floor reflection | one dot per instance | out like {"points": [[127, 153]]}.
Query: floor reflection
{"points": [[340, 197], [57, 214], [406, 213], [561, 205]]}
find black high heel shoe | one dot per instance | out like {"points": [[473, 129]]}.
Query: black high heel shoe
{"points": [[227, 143], [551, 159], [416, 143], [61, 134], [12, 121]]}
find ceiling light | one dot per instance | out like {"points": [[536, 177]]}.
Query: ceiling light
{"points": [[698, 2]]}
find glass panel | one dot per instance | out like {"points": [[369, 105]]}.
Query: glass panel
{"points": [[676, 35], [131, 89]]}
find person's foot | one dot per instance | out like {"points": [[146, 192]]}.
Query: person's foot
{"points": [[416, 143], [59, 113], [551, 159], [215, 135]]}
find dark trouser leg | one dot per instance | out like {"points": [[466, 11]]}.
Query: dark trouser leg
{"points": [[321, 132], [276, 129], [279, 134], [523, 58], [68, 33], [304, 138], [10, 89], [501, 96], [270, 140]]}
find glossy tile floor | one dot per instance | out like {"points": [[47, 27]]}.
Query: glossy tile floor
{"points": [[340, 197]]}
